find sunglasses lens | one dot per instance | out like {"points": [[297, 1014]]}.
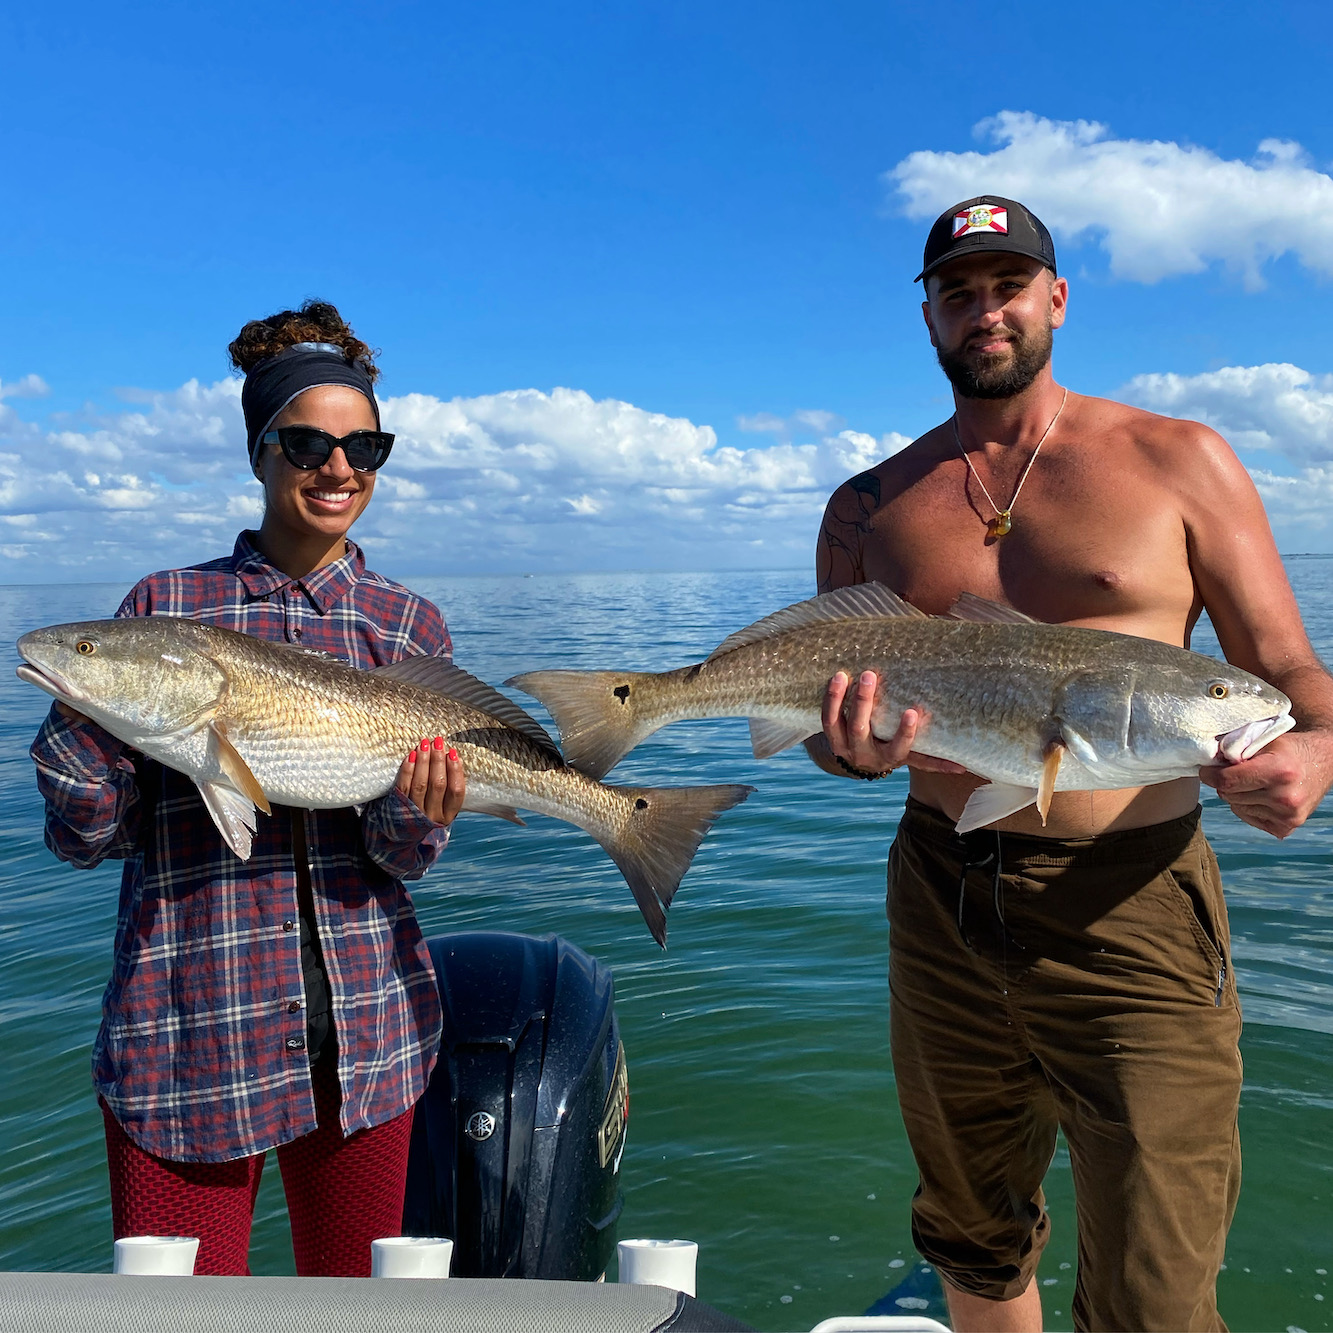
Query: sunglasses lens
{"points": [[306, 449], [367, 450]]}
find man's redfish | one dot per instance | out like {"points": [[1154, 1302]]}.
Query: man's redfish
{"points": [[1034, 708], [253, 722]]}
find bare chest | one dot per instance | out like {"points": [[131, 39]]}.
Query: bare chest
{"points": [[1087, 543]]}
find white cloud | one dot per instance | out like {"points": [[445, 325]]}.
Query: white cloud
{"points": [[503, 481], [1277, 407], [30, 386], [525, 480], [1157, 207], [807, 421]]}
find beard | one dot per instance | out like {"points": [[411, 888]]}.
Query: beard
{"points": [[998, 376]]}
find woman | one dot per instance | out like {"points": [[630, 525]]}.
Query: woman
{"points": [[288, 1001]]}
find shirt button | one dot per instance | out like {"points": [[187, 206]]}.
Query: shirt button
{"points": [[289, 925], [295, 1043], [296, 633], [294, 1007]]}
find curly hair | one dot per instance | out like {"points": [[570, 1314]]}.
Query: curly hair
{"points": [[314, 322]]}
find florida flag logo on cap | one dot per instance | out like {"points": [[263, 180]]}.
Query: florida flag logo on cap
{"points": [[982, 217]]}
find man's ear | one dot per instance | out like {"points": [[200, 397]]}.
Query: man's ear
{"points": [[925, 314], [1059, 301]]}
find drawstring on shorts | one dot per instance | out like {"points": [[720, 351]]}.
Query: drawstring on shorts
{"points": [[973, 861]]}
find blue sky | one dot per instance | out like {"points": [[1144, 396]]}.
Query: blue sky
{"points": [[678, 211]]}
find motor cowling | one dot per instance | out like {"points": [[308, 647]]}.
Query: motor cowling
{"points": [[516, 1144]]}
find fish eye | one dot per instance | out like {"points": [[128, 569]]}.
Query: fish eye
{"points": [[85, 647], [1218, 690]]}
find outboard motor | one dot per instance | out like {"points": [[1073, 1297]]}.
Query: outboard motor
{"points": [[516, 1144]]}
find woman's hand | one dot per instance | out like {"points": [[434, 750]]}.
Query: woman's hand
{"points": [[432, 778], [70, 714]]}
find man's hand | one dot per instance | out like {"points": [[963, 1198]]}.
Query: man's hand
{"points": [[1279, 788], [432, 778], [70, 714], [846, 718]]}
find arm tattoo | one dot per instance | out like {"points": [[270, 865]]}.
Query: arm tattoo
{"points": [[847, 521]]}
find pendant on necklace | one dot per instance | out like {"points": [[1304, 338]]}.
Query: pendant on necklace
{"points": [[999, 526]]}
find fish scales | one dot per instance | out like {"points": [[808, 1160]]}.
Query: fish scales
{"points": [[255, 723], [286, 723], [1033, 708]]}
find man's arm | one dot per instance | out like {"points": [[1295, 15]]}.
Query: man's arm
{"points": [[1244, 587], [847, 705], [847, 516]]}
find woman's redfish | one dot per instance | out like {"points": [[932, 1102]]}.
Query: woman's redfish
{"points": [[253, 722]]}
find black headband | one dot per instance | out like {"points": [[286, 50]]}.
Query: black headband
{"points": [[275, 381]]}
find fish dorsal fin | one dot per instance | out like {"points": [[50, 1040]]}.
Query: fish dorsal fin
{"points": [[982, 610], [434, 673], [854, 603]]}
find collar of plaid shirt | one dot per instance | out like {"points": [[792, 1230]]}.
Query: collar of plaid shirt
{"points": [[325, 587]]}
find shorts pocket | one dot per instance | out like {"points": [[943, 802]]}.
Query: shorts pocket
{"points": [[1197, 897]]}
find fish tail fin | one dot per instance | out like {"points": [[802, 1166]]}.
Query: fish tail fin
{"points": [[602, 715], [657, 841]]}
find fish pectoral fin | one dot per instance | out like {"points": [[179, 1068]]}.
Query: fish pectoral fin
{"points": [[236, 770], [994, 801], [1079, 745], [233, 813], [1055, 752], [493, 808], [770, 736]]}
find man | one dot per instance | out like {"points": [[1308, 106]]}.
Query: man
{"points": [[1076, 974]]}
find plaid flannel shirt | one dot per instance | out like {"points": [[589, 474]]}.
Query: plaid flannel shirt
{"points": [[201, 1052]]}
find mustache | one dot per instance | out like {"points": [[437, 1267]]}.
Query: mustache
{"points": [[974, 339]]}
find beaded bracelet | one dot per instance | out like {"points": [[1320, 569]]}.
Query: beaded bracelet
{"points": [[863, 773]]}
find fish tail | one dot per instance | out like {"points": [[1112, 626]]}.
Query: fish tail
{"points": [[656, 842], [602, 715]]}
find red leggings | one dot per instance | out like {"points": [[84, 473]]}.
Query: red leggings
{"points": [[342, 1193]]}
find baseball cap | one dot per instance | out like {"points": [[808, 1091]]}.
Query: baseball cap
{"points": [[984, 224]]}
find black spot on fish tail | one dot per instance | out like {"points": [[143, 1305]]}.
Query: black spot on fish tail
{"points": [[654, 849], [622, 693]]}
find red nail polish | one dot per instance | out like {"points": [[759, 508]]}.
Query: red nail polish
{"points": [[411, 756], [425, 744], [453, 754], [439, 742]]}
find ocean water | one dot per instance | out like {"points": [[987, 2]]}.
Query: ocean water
{"points": [[763, 1122]]}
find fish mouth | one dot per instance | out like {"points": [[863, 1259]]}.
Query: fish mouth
{"points": [[51, 682], [1246, 741]]}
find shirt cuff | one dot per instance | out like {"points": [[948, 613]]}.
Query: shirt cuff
{"points": [[399, 836], [81, 748]]}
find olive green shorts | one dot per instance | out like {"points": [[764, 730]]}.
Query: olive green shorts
{"points": [[1085, 984]]}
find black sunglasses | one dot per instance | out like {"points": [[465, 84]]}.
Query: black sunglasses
{"points": [[309, 448]]}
